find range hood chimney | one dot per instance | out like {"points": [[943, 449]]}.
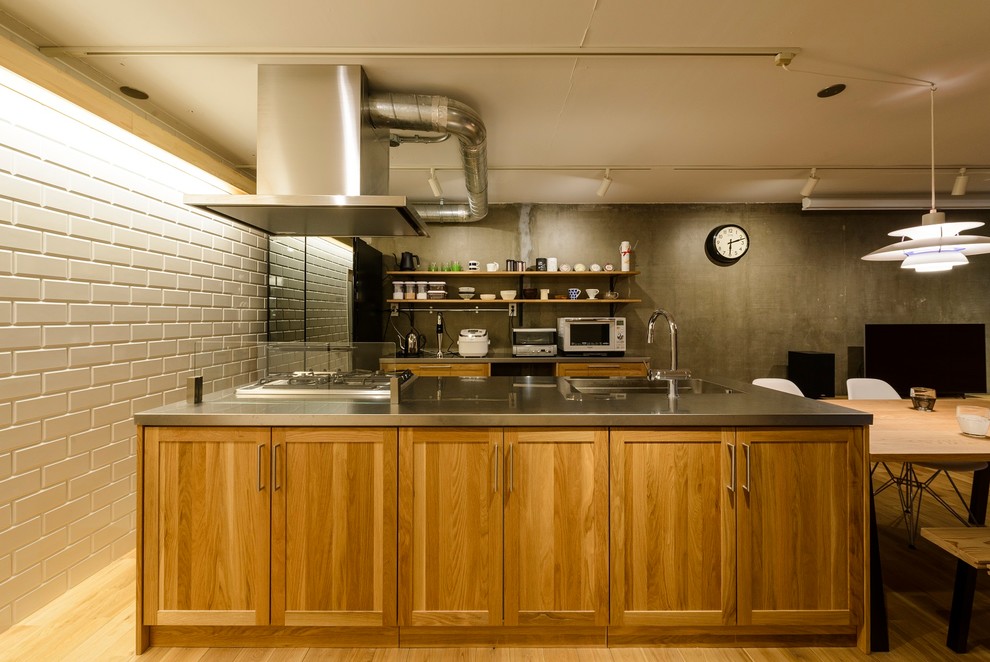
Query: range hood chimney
{"points": [[323, 166]]}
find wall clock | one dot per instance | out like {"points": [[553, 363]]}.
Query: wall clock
{"points": [[726, 244]]}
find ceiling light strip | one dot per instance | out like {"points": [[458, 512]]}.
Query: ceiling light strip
{"points": [[461, 52]]}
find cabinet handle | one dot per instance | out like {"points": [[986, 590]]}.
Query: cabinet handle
{"points": [[512, 468], [439, 365], [261, 481], [732, 468], [276, 485], [495, 469], [746, 453]]}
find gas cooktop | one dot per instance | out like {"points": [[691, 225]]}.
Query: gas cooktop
{"points": [[341, 385]]}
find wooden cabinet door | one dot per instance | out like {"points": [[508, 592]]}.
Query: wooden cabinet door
{"points": [[601, 369], [450, 526], [334, 526], [206, 526], [556, 527], [801, 512], [673, 527]]}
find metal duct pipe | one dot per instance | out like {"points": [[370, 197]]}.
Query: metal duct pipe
{"points": [[438, 114]]}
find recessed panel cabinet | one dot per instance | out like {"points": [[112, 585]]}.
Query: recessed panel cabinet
{"points": [[503, 529], [269, 527], [477, 536], [760, 530], [206, 530], [800, 519], [673, 528], [333, 526], [556, 527], [450, 527]]}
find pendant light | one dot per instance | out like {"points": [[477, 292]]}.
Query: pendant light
{"points": [[934, 245]]}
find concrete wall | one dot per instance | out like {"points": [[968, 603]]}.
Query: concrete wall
{"points": [[108, 287], [802, 286]]}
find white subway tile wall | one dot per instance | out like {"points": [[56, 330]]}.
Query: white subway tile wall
{"points": [[108, 285]]}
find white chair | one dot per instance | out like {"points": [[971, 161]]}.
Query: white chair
{"points": [[865, 388], [777, 384], [910, 487]]}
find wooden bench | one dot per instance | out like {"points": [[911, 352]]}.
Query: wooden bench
{"points": [[971, 545], [967, 543]]}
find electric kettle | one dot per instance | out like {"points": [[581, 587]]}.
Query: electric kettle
{"points": [[408, 261], [414, 343]]}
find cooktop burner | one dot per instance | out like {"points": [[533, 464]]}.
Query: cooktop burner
{"points": [[340, 385]]}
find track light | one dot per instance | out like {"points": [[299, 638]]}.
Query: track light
{"points": [[435, 183], [606, 182], [959, 186], [809, 186]]}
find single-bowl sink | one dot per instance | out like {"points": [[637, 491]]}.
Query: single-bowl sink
{"points": [[642, 385]]}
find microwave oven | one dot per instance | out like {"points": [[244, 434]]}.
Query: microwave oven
{"points": [[592, 336], [534, 341]]}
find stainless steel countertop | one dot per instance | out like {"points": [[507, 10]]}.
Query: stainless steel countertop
{"points": [[516, 401], [505, 356]]}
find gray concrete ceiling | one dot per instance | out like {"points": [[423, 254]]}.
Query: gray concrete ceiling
{"points": [[700, 126]]}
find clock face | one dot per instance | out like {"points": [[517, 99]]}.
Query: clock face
{"points": [[726, 244]]}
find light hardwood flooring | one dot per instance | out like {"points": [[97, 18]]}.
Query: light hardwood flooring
{"points": [[95, 621]]}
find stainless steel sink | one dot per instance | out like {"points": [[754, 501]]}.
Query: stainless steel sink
{"points": [[608, 385]]}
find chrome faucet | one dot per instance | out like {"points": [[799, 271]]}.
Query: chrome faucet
{"points": [[673, 373], [673, 333]]}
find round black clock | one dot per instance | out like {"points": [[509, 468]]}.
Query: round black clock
{"points": [[726, 244]]}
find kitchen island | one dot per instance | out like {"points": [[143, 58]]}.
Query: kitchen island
{"points": [[505, 511]]}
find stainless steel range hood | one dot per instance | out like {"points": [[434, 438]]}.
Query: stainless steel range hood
{"points": [[322, 166]]}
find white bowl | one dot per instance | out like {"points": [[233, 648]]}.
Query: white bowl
{"points": [[465, 289], [487, 297], [465, 295], [973, 420], [508, 294]]}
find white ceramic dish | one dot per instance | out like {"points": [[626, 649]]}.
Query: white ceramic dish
{"points": [[974, 421], [508, 294], [465, 295], [487, 297]]}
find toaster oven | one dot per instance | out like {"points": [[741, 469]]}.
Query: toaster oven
{"points": [[534, 341]]}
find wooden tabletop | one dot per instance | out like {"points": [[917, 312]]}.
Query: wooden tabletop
{"points": [[900, 433]]}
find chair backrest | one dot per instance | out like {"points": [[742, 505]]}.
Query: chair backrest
{"points": [[865, 388], [777, 384]]}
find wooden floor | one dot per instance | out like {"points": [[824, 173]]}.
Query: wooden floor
{"points": [[95, 621]]}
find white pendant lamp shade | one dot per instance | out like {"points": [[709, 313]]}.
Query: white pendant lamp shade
{"points": [[926, 262], [924, 246], [935, 245]]}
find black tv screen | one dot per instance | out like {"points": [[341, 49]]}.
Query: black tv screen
{"points": [[951, 358]]}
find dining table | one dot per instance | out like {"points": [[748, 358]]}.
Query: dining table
{"points": [[900, 433]]}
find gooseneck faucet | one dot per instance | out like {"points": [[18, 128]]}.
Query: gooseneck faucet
{"points": [[673, 374], [673, 333]]}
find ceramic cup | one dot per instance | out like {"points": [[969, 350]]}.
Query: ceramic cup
{"points": [[592, 293], [491, 266], [545, 294], [473, 265], [573, 293], [551, 264]]}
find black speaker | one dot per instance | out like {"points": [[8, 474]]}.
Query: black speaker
{"points": [[813, 372]]}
